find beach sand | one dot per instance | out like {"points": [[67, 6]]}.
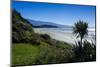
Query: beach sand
{"points": [[61, 35]]}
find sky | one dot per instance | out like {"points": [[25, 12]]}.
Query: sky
{"points": [[65, 14]]}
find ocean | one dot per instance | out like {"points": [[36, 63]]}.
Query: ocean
{"points": [[65, 34]]}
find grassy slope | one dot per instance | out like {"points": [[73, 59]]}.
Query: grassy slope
{"points": [[24, 54], [46, 53], [27, 54]]}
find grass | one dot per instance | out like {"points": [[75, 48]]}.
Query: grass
{"points": [[27, 54], [24, 54], [45, 53]]}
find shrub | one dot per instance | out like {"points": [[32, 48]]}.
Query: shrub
{"points": [[15, 37], [85, 53], [89, 51], [45, 36], [35, 42], [22, 30]]}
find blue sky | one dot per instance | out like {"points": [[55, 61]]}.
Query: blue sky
{"points": [[57, 13]]}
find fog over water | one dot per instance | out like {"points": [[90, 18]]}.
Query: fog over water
{"points": [[65, 34]]}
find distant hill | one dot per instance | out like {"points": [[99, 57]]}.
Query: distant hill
{"points": [[43, 24]]}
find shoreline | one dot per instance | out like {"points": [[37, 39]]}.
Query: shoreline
{"points": [[65, 36]]}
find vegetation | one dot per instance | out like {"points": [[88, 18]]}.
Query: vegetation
{"points": [[24, 54], [22, 31], [27, 54], [30, 48], [84, 51], [80, 28]]}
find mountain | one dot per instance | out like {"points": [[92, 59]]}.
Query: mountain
{"points": [[43, 24]]}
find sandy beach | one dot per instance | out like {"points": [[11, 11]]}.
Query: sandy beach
{"points": [[65, 35]]}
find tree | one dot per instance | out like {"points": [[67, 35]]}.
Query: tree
{"points": [[80, 28]]}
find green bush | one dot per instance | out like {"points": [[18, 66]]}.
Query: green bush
{"points": [[45, 36], [87, 52], [22, 30]]}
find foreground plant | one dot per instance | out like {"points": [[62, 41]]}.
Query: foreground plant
{"points": [[80, 28]]}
